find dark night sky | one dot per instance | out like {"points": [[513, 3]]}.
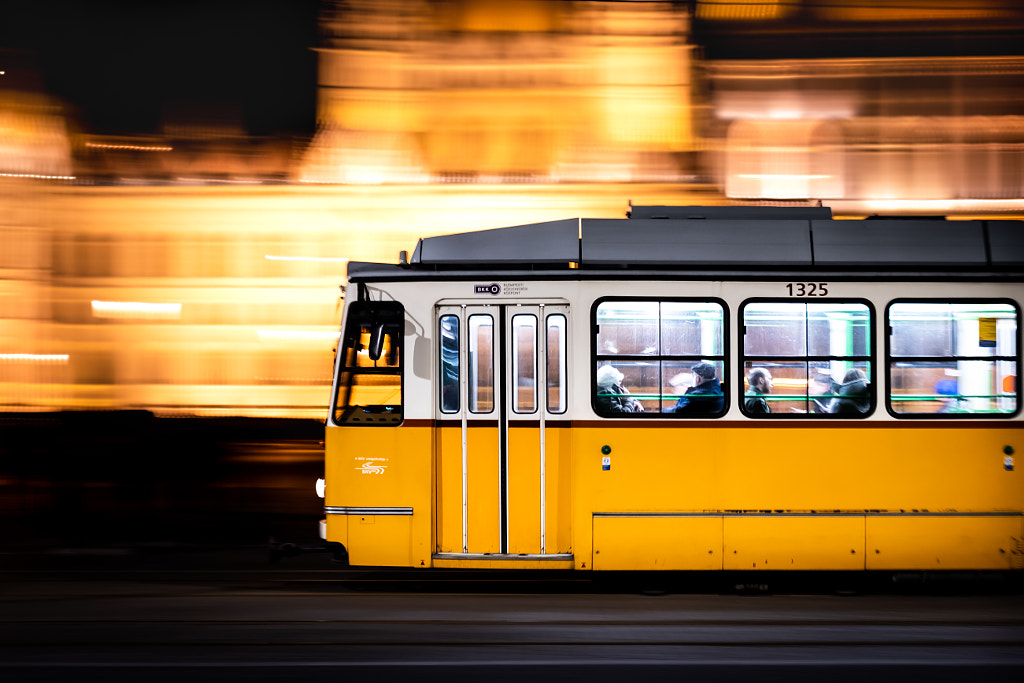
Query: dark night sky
{"points": [[128, 67]]}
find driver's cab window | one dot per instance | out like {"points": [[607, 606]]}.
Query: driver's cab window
{"points": [[369, 390]]}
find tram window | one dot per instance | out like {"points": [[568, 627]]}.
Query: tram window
{"points": [[481, 363], [370, 389], [449, 335], [524, 363], [556, 364], [816, 356], [645, 353], [953, 359]]}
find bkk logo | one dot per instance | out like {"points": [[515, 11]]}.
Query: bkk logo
{"points": [[494, 289]]}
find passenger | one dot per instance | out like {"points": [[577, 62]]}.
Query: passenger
{"points": [[948, 389], [612, 397], [821, 392], [760, 381], [853, 397], [705, 397]]}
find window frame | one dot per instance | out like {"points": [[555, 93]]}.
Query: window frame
{"points": [[517, 374], [563, 363], [473, 384], [394, 315], [889, 359], [871, 357], [443, 383], [722, 358]]}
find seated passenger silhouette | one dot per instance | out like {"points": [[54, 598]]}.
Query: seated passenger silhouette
{"points": [[852, 397], [760, 382], [705, 397], [612, 397]]}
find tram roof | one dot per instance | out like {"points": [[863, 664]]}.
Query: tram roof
{"points": [[762, 238]]}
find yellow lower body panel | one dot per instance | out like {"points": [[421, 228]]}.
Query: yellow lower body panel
{"points": [[378, 500], [888, 499], [380, 540], [945, 542], [813, 542], [808, 542], [649, 542]]}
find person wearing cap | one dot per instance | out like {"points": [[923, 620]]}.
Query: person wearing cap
{"points": [[612, 397], [705, 397]]}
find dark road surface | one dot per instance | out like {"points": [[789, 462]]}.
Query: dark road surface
{"points": [[136, 550], [55, 627]]}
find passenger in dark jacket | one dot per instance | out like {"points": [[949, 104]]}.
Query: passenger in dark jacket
{"points": [[705, 397], [853, 397], [612, 397], [760, 381]]}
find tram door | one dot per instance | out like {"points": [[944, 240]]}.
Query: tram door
{"points": [[502, 471]]}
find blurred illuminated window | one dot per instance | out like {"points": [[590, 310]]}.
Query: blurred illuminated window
{"points": [[818, 354], [743, 10], [556, 364], [369, 390], [953, 359], [653, 345], [481, 364], [524, 363]]}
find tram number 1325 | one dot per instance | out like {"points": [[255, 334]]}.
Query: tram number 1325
{"points": [[807, 288]]}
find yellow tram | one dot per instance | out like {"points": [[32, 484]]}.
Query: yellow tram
{"points": [[688, 388]]}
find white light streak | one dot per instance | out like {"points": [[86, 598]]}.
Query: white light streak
{"points": [[59, 358], [220, 181], [134, 148], [784, 176], [135, 310], [35, 175], [786, 114], [941, 204], [271, 257]]}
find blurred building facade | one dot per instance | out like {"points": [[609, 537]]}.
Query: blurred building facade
{"points": [[196, 270], [35, 154], [870, 106], [866, 105], [518, 91]]}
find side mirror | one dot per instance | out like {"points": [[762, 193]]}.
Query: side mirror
{"points": [[376, 342]]}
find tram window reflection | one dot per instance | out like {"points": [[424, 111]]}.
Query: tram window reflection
{"points": [[481, 363], [556, 364], [809, 350], [691, 328], [654, 345], [776, 329], [628, 328], [524, 363], [449, 333], [953, 359]]}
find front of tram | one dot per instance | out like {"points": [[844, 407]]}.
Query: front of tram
{"points": [[366, 392], [375, 459]]}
